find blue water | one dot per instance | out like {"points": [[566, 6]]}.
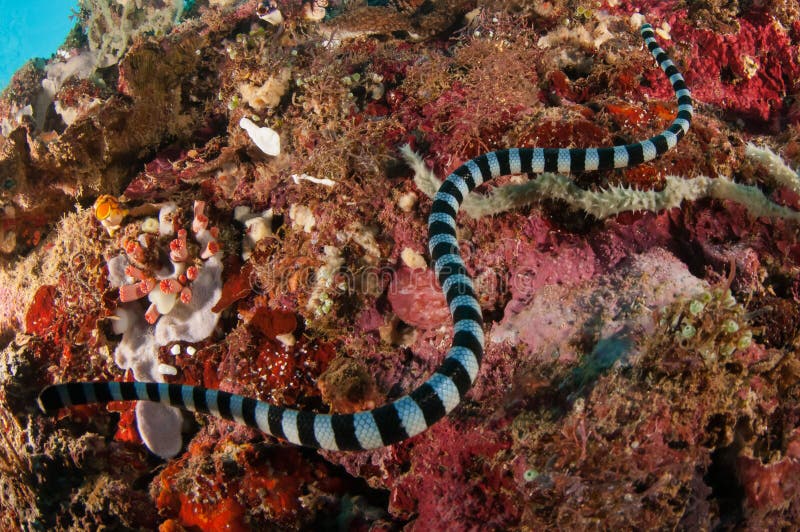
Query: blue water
{"points": [[31, 28]]}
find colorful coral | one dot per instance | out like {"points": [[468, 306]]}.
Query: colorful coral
{"points": [[182, 281], [641, 367], [164, 283], [231, 485]]}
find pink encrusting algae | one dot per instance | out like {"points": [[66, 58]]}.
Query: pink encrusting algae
{"points": [[640, 369]]}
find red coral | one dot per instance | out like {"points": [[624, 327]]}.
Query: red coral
{"points": [[241, 487], [42, 311], [626, 115], [237, 283], [290, 372], [259, 365], [126, 428], [748, 73], [573, 133], [561, 85], [458, 479], [271, 322]]}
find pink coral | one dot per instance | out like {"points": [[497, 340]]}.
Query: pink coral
{"points": [[460, 481], [416, 298], [768, 486]]}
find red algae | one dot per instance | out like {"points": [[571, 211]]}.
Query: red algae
{"points": [[41, 311], [747, 72], [126, 427], [264, 358], [768, 486], [464, 480], [232, 486], [269, 322], [235, 286]]}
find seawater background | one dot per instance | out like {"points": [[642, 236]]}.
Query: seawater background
{"points": [[31, 28]]}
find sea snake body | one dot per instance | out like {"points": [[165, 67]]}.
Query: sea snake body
{"points": [[442, 392]]}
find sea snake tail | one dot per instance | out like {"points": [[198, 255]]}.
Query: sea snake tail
{"points": [[442, 392]]}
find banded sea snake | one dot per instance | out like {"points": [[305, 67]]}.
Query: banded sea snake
{"points": [[442, 392]]}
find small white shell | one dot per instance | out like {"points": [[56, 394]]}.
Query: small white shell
{"points": [[265, 138]]}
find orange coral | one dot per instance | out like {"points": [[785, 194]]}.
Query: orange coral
{"points": [[226, 486], [109, 212]]}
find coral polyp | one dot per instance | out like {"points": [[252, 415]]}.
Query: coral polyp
{"points": [[162, 261]]}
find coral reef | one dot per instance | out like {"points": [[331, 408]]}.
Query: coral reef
{"points": [[641, 324], [110, 28]]}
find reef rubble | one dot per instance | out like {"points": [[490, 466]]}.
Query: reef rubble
{"points": [[234, 193]]}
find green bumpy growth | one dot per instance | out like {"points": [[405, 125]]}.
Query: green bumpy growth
{"points": [[712, 325]]}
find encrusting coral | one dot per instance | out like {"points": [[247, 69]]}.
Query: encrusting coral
{"points": [[641, 364]]}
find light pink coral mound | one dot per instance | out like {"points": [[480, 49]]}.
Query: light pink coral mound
{"points": [[547, 319], [416, 298]]}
